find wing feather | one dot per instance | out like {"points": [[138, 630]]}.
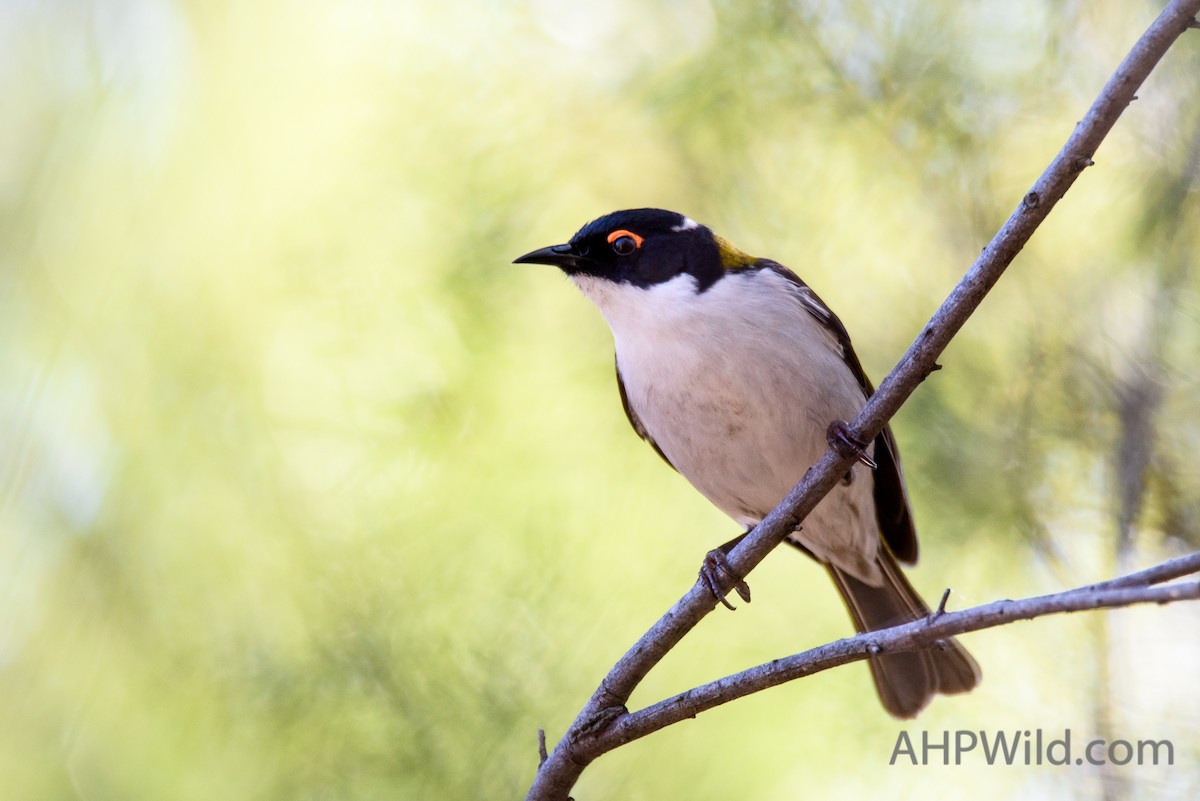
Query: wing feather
{"points": [[892, 507], [636, 422]]}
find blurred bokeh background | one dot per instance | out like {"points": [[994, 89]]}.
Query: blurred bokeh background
{"points": [[307, 493]]}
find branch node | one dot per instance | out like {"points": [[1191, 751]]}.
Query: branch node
{"points": [[598, 723], [590, 728], [1032, 200], [873, 648], [604, 688], [1083, 163], [542, 754]]}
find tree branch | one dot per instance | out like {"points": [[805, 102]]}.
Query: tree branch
{"points": [[1172, 569], [587, 740], [1124, 591]]}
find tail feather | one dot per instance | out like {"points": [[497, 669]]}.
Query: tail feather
{"points": [[906, 680]]}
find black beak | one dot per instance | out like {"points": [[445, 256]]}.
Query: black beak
{"points": [[563, 256]]}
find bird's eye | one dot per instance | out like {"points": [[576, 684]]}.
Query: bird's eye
{"points": [[624, 245], [624, 242]]}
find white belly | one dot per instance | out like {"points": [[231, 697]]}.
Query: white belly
{"points": [[739, 396]]}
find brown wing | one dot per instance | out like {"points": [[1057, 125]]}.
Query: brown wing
{"points": [[891, 497], [636, 422]]}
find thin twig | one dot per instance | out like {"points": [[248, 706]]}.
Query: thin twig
{"points": [[1171, 569], [941, 607], [566, 762]]}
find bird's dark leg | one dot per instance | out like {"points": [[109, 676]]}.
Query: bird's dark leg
{"points": [[716, 568], [846, 443]]}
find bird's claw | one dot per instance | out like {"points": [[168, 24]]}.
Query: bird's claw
{"points": [[843, 440], [715, 571]]}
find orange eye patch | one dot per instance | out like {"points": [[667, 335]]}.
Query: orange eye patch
{"points": [[615, 235]]}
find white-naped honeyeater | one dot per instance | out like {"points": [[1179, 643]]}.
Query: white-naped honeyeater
{"points": [[740, 376]]}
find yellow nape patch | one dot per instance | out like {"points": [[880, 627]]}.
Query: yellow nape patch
{"points": [[731, 257]]}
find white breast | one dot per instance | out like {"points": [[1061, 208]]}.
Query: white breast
{"points": [[737, 385]]}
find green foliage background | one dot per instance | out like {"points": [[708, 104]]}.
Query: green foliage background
{"points": [[307, 493]]}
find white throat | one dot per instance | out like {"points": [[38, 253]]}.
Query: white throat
{"points": [[637, 312]]}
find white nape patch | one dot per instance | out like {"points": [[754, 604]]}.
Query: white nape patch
{"points": [[687, 225]]}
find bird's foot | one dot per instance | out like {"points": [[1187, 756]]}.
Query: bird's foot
{"points": [[843, 440], [716, 571]]}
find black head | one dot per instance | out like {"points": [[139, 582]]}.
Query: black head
{"points": [[643, 247]]}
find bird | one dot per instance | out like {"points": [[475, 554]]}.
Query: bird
{"points": [[740, 376]]}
